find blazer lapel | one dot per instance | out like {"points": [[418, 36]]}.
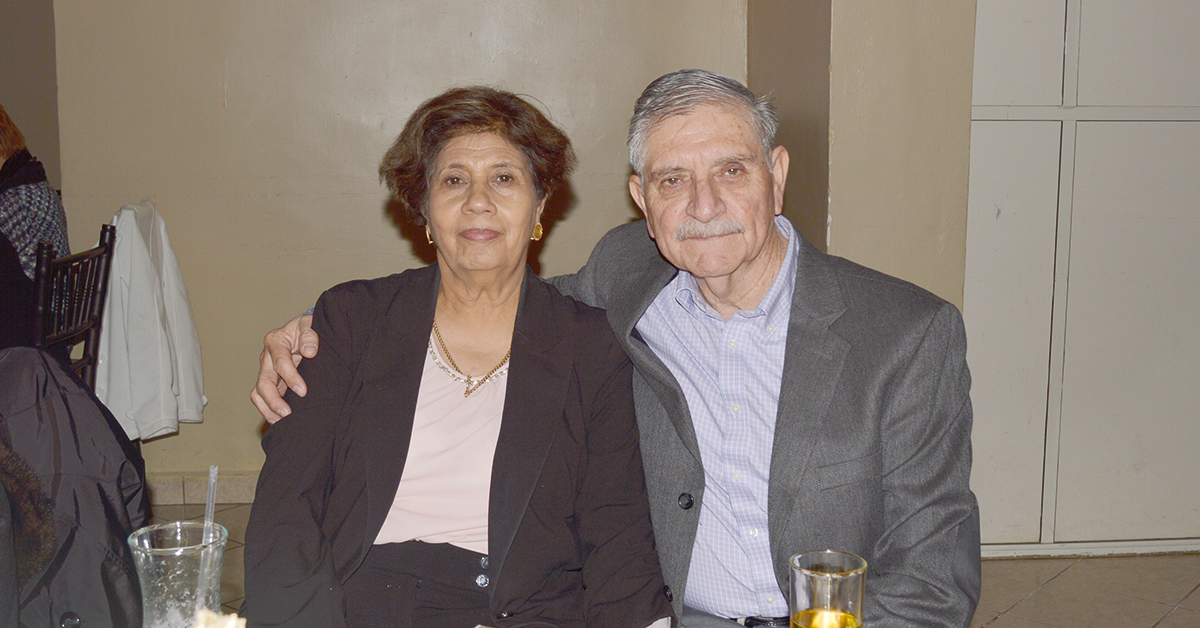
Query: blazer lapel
{"points": [[626, 306], [538, 375], [813, 363], [392, 365]]}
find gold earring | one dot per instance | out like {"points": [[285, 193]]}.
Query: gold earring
{"points": [[428, 236], [537, 232]]}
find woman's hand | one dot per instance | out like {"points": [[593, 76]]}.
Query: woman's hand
{"points": [[283, 350]]}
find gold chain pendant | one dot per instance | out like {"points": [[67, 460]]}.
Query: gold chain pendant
{"points": [[472, 386]]}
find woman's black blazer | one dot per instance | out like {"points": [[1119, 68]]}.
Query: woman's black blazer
{"points": [[569, 537]]}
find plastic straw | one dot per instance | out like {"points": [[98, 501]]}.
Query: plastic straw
{"points": [[210, 506]]}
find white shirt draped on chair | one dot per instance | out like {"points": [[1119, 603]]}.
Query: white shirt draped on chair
{"points": [[149, 372]]}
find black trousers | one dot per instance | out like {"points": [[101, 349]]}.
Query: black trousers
{"points": [[400, 585]]}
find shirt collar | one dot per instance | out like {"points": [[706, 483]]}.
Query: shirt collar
{"points": [[774, 309]]}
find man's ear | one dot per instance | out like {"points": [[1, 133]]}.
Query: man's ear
{"points": [[639, 199], [779, 171]]}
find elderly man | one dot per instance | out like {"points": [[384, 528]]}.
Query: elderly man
{"points": [[787, 400]]}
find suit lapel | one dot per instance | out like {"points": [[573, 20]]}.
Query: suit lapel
{"points": [[814, 359], [392, 364], [538, 376], [627, 304]]}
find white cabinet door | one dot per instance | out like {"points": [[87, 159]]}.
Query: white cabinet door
{"points": [[1007, 298], [1129, 455], [1144, 53], [1019, 52]]}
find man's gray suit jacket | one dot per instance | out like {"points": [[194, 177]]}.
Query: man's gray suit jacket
{"points": [[872, 450]]}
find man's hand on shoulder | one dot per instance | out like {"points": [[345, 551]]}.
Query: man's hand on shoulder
{"points": [[283, 350]]}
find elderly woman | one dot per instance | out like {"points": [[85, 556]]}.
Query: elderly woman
{"points": [[467, 453]]}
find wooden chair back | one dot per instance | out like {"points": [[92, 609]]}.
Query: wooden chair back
{"points": [[70, 293]]}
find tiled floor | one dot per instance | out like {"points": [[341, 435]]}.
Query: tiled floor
{"points": [[1118, 592], [1121, 592]]}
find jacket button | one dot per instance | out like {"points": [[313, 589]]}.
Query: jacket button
{"points": [[481, 580], [483, 562], [669, 593], [504, 615], [686, 501], [69, 620]]}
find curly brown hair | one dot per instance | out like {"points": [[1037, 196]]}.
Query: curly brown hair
{"points": [[464, 110]]}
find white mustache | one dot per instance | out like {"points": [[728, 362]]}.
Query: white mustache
{"points": [[717, 227]]}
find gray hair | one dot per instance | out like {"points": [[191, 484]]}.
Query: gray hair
{"points": [[683, 91]]}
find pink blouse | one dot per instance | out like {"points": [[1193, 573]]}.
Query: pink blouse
{"points": [[444, 490]]}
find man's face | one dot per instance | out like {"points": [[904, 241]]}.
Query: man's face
{"points": [[707, 192]]}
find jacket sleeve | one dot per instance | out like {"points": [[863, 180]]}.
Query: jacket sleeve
{"points": [[927, 564], [291, 578], [624, 250], [582, 285], [621, 572]]}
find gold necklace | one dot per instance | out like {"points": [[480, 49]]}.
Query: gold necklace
{"points": [[472, 386]]}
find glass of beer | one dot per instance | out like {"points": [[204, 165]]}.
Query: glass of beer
{"points": [[827, 589]]}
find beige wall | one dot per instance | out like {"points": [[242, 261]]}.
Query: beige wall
{"points": [[899, 137], [257, 127], [27, 86], [787, 56], [874, 100]]}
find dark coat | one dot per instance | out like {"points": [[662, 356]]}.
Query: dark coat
{"points": [[95, 480], [569, 533]]}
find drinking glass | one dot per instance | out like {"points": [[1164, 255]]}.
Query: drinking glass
{"points": [[179, 568], [827, 589]]}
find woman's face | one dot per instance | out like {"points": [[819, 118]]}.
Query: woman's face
{"points": [[482, 204]]}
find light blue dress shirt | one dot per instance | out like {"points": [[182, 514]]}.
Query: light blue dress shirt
{"points": [[730, 372]]}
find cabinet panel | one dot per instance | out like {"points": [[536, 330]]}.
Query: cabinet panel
{"points": [[1007, 297], [1019, 52], [1128, 467], [1142, 53]]}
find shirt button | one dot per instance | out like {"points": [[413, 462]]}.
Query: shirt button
{"points": [[734, 409], [770, 328], [737, 475], [754, 533], [770, 599], [482, 581], [733, 344]]}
